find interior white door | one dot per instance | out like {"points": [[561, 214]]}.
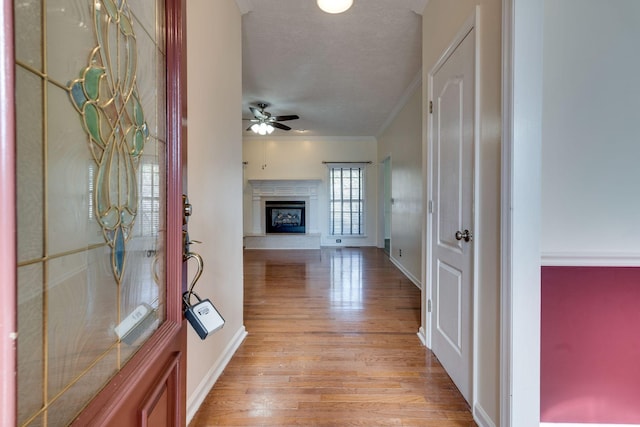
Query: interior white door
{"points": [[452, 226]]}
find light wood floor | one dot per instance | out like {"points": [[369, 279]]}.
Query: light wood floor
{"points": [[332, 342]]}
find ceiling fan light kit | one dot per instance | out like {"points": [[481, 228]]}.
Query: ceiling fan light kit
{"points": [[262, 128], [264, 123], [334, 6]]}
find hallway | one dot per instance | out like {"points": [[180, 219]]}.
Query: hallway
{"points": [[332, 342]]}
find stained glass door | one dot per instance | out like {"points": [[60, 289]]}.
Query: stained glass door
{"points": [[98, 264]]}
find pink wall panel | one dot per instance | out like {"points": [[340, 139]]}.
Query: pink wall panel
{"points": [[590, 349]]}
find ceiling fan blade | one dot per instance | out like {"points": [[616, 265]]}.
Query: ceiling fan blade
{"points": [[259, 114], [285, 118], [280, 126], [249, 128]]}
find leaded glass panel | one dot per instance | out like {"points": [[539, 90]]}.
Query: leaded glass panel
{"points": [[91, 150]]}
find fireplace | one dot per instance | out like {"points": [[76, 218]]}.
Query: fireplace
{"points": [[285, 216]]}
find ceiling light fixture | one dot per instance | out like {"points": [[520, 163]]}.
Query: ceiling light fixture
{"points": [[262, 128], [334, 6]]}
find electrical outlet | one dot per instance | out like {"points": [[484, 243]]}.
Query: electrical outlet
{"points": [[338, 240], [399, 252]]}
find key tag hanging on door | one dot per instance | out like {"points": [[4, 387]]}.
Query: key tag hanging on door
{"points": [[202, 315]]}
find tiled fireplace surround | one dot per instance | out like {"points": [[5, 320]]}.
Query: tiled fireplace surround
{"points": [[281, 189]]}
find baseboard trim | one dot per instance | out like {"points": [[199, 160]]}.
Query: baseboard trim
{"points": [[586, 425], [207, 383], [481, 418], [422, 336], [404, 271]]}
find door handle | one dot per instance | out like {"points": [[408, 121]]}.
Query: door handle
{"points": [[466, 235], [198, 259], [186, 245], [187, 211]]}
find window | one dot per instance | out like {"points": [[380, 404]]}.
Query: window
{"points": [[147, 222], [346, 200], [148, 219]]}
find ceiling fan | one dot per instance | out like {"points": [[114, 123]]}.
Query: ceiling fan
{"points": [[264, 123]]}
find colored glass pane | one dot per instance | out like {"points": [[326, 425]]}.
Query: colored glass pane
{"points": [[92, 121], [92, 82]]}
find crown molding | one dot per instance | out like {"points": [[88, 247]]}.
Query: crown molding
{"points": [[418, 6], [408, 93], [245, 6]]}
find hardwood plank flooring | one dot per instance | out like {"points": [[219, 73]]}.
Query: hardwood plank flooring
{"points": [[332, 342]]}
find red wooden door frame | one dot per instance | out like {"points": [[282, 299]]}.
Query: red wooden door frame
{"points": [[8, 323]]}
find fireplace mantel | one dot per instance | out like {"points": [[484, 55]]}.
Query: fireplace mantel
{"points": [[265, 189], [284, 187]]}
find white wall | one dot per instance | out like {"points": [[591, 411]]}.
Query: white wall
{"points": [[291, 157], [442, 19], [591, 148], [402, 142], [215, 175]]}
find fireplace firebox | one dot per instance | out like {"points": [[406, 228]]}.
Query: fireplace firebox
{"points": [[285, 216]]}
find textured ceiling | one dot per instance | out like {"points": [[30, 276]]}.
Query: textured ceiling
{"points": [[344, 75]]}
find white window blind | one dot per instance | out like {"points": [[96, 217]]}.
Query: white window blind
{"points": [[346, 199], [148, 219]]}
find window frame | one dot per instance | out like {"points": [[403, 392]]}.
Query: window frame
{"points": [[363, 199]]}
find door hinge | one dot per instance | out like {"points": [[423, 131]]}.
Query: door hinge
{"points": [[430, 107], [430, 208], [429, 306]]}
